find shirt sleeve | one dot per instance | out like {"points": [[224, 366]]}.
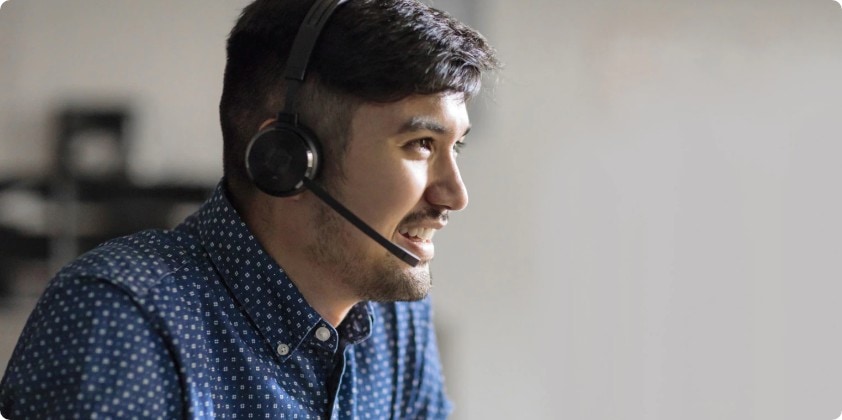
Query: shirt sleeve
{"points": [[87, 351]]}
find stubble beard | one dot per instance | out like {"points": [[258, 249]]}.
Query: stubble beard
{"points": [[380, 278]]}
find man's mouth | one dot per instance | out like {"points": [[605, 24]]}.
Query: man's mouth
{"points": [[417, 234]]}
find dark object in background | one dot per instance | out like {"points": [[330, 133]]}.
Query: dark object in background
{"points": [[89, 197], [92, 144]]}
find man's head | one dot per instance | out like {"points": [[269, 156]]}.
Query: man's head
{"points": [[396, 66], [370, 51]]}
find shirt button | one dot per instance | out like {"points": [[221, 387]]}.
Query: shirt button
{"points": [[323, 334], [283, 349]]}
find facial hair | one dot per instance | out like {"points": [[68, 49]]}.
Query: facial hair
{"points": [[380, 277]]}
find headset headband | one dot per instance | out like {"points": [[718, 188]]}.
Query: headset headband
{"points": [[303, 45]]}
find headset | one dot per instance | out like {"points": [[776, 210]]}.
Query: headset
{"points": [[284, 158]]}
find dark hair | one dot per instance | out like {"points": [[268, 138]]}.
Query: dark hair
{"points": [[370, 51]]}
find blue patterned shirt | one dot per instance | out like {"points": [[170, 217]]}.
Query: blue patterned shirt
{"points": [[200, 322]]}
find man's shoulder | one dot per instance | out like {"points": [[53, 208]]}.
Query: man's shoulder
{"points": [[136, 263]]}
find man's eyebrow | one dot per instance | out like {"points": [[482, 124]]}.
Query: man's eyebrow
{"points": [[426, 124]]}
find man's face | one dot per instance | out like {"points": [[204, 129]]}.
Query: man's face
{"points": [[399, 174]]}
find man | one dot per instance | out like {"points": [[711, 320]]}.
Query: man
{"points": [[272, 305]]}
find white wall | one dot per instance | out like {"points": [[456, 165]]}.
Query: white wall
{"points": [[164, 58], [653, 230], [654, 226]]}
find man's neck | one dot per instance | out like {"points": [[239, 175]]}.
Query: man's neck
{"points": [[283, 237]]}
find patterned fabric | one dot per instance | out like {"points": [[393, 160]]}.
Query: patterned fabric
{"points": [[200, 322]]}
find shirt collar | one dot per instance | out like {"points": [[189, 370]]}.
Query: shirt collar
{"points": [[358, 324], [259, 284]]}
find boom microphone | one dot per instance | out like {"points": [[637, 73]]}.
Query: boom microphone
{"points": [[343, 211]]}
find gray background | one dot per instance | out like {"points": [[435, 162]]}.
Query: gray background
{"points": [[654, 222]]}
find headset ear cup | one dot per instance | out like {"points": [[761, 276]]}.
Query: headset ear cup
{"points": [[279, 157]]}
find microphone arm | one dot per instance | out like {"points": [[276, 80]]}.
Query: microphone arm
{"points": [[343, 211]]}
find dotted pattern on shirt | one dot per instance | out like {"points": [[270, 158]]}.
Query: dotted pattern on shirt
{"points": [[199, 322]]}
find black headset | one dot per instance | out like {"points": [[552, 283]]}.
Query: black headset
{"points": [[283, 159], [286, 153]]}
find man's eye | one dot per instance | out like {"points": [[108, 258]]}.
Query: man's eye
{"points": [[425, 144], [458, 147]]}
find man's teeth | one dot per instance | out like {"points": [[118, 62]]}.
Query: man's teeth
{"points": [[420, 233]]}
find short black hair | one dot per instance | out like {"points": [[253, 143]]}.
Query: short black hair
{"points": [[370, 51]]}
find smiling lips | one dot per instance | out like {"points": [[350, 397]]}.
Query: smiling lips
{"points": [[418, 234]]}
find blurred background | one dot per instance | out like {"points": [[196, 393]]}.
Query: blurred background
{"points": [[654, 229]]}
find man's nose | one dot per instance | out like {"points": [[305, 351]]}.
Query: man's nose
{"points": [[446, 189]]}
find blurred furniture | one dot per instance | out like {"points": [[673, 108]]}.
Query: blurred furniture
{"points": [[89, 197]]}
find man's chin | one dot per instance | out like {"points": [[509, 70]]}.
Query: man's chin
{"points": [[399, 282]]}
